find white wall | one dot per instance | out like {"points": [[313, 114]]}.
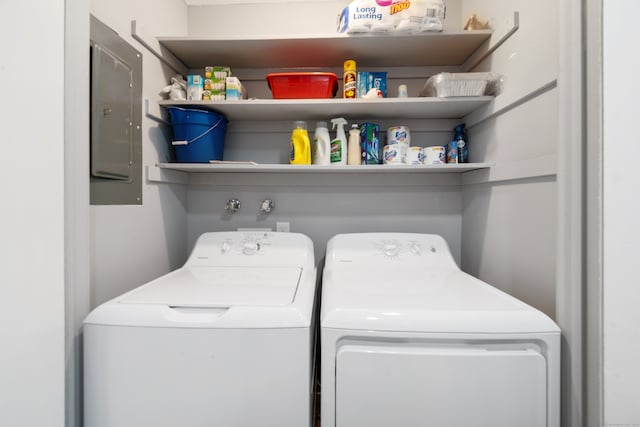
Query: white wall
{"points": [[134, 244], [32, 312], [621, 91]]}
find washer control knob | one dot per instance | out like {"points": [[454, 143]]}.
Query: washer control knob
{"points": [[416, 248], [390, 249], [225, 247], [250, 248]]}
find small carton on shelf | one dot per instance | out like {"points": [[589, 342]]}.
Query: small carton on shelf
{"points": [[213, 95], [235, 89], [195, 86], [214, 84], [370, 144], [217, 73]]}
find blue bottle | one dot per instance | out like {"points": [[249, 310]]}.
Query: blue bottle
{"points": [[461, 144]]}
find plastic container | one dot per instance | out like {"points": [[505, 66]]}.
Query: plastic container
{"points": [[303, 85], [321, 146], [354, 157], [462, 84], [300, 146], [198, 135], [339, 144]]}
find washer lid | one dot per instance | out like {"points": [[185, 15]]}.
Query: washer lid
{"points": [[198, 286]]}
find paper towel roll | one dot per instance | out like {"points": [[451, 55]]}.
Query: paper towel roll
{"points": [[434, 155], [414, 156]]}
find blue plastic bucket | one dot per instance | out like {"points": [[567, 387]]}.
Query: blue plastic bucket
{"points": [[198, 135]]}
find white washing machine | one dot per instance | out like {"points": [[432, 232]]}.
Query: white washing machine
{"points": [[226, 340], [408, 339]]}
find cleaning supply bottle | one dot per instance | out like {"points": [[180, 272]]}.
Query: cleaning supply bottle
{"points": [[461, 143], [321, 146], [300, 146], [349, 79], [339, 144], [353, 156]]}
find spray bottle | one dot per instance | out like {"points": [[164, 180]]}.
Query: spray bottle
{"points": [[339, 144], [353, 156]]}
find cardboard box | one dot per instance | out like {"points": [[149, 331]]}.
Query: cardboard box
{"points": [[370, 144]]}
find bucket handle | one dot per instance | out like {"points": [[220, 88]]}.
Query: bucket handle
{"points": [[199, 136]]}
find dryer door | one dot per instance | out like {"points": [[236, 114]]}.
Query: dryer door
{"points": [[408, 386]]}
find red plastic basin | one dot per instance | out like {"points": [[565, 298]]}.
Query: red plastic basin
{"points": [[303, 85]]}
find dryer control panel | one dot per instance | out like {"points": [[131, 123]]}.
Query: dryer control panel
{"points": [[252, 248], [369, 249]]}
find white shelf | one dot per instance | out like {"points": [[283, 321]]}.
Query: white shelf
{"points": [[330, 50], [315, 169], [305, 109]]}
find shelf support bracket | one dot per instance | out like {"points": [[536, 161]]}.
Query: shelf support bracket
{"points": [[155, 174], [501, 33], [153, 111], [167, 57]]}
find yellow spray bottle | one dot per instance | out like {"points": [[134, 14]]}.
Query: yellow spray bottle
{"points": [[300, 146]]}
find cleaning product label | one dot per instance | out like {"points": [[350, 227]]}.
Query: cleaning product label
{"points": [[398, 135], [435, 155], [195, 87], [392, 154], [452, 152], [371, 80], [398, 16], [350, 79], [414, 156], [463, 152], [300, 147], [336, 151], [370, 144]]}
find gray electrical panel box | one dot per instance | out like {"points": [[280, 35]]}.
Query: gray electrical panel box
{"points": [[116, 118]]}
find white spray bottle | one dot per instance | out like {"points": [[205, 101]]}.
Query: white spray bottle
{"points": [[339, 144]]}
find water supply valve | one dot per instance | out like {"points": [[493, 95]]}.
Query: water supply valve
{"points": [[267, 206], [232, 206]]}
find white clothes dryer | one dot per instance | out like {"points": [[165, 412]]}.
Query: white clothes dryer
{"points": [[408, 339], [226, 340]]}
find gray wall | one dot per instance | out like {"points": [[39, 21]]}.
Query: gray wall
{"points": [[509, 223]]}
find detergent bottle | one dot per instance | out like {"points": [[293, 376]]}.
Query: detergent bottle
{"points": [[300, 146], [339, 144], [354, 154], [321, 146]]}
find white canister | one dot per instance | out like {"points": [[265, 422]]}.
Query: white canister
{"points": [[434, 155], [414, 156], [391, 154], [398, 135]]}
